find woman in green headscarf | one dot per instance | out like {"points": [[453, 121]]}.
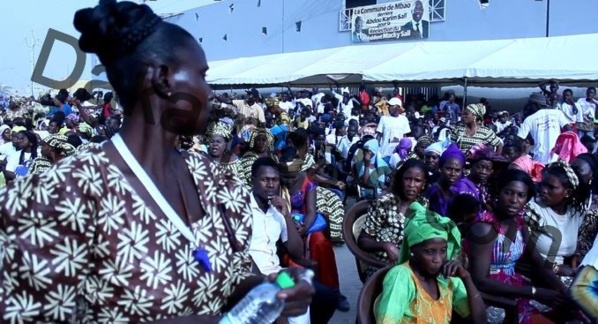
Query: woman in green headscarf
{"points": [[261, 144], [427, 284]]}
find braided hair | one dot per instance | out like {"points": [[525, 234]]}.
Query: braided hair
{"points": [[126, 35], [570, 179]]}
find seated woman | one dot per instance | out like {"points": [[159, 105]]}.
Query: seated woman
{"points": [[420, 147], [300, 192], [442, 193], [372, 171], [401, 153], [526, 163], [219, 136], [498, 239], [432, 155], [584, 287], [586, 165], [384, 224], [426, 286], [327, 202], [260, 145], [483, 162], [554, 217]]}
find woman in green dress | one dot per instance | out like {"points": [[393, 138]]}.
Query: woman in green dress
{"points": [[428, 284]]}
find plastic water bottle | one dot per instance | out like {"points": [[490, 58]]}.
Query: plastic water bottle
{"points": [[260, 306]]}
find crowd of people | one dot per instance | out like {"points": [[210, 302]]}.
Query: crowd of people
{"points": [[517, 189], [109, 216]]}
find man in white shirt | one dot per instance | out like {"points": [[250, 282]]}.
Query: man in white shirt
{"points": [[305, 99], [572, 110], [392, 128], [249, 108], [544, 126], [272, 223], [346, 141], [588, 108], [502, 123], [285, 104], [316, 97], [345, 102]]}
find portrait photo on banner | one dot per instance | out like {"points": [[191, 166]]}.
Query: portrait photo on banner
{"points": [[400, 20]]}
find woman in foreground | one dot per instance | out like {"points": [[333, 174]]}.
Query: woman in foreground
{"points": [[133, 230], [426, 286], [496, 242]]}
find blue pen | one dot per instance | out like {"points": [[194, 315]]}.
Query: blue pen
{"points": [[201, 255]]}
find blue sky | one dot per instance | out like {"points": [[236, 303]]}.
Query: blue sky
{"points": [[25, 19]]}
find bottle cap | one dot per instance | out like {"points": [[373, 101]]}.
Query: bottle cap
{"points": [[284, 280]]}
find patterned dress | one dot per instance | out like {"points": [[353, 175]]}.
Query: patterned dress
{"points": [[80, 245], [505, 255], [385, 223], [329, 203]]}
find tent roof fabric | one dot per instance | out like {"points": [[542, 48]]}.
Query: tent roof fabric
{"points": [[510, 62]]}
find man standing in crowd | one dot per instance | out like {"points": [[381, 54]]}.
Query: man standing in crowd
{"points": [[392, 128], [250, 108], [544, 125]]}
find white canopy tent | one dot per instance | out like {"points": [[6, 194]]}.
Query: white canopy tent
{"points": [[495, 63]]}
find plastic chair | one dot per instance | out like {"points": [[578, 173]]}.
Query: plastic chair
{"points": [[352, 226], [367, 297]]}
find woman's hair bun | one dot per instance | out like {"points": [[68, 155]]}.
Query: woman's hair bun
{"points": [[113, 29]]}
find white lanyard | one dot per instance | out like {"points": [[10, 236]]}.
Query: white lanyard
{"points": [[149, 185]]}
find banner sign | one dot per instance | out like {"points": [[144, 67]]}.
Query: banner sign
{"points": [[406, 19]]}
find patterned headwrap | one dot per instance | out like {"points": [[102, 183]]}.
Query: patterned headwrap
{"points": [[261, 131], [272, 102], [424, 139], [295, 165], [219, 128], [39, 165], [478, 110], [423, 224], [573, 179], [85, 128], [73, 117], [61, 143]]}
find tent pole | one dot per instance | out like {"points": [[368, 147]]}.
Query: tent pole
{"points": [[464, 92]]}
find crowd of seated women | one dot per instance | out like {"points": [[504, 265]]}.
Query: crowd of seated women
{"points": [[459, 226]]}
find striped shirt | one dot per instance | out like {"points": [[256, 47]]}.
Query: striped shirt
{"points": [[483, 135]]}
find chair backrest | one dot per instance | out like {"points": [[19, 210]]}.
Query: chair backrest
{"points": [[368, 295], [352, 226]]}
